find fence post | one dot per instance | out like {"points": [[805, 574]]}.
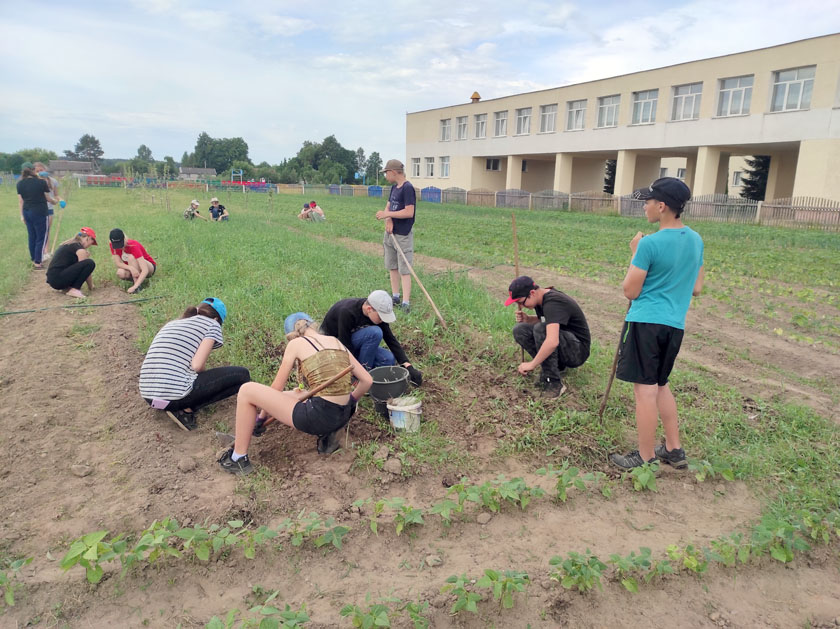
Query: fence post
{"points": [[530, 201], [758, 213], [496, 199]]}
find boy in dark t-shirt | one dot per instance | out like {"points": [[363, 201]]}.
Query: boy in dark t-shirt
{"points": [[399, 223], [557, 337]]}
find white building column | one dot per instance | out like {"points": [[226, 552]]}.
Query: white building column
{"points": [[817, 174], [706, 172], [625, 173], [690, 169], [513, 179], [563, 163]]}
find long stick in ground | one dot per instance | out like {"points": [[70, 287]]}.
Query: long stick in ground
{"points": [[612, 374], [419, 283], [516, 267]]}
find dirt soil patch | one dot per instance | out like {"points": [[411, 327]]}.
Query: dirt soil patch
{"points": [[84, 453]]}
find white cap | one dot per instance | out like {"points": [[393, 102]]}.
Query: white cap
{"points": [[194, 202], [214, 199], [382, 303]]}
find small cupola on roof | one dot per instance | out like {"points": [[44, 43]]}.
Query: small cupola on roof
{"points": [[475, 97]]}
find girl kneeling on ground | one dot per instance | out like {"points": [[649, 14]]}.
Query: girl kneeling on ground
{"points": [[173, 378], [71, 266], [320, 358]]}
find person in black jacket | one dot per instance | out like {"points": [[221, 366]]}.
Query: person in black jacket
{"points": [[361, 324]]}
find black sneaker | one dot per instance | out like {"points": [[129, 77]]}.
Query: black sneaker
{"points": [[630, 460], [242, 467], [327, 444], [552, 388], [674, 458], [186, 421], [405, 307], [395, 299], [259, 428]]}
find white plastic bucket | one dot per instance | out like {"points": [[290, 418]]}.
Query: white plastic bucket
{"points": [[405, 413]]}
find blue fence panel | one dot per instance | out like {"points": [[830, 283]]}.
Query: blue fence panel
{"points": [[375, 191], [430, 194], [335, 189]]}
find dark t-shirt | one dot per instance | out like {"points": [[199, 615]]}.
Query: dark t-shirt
{"points": [[32, 191], [399, 199], [346, 316], [215, 211], [558, 307], [64, 257]]}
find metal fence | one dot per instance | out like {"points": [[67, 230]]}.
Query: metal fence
{"points": [[513, 198], [719, 208]]}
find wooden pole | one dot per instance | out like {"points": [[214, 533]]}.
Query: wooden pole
{"points": [[612, 374], [516, 268], [419, 283]]}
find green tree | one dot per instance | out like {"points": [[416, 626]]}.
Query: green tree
{"points": [[87, 148], [754, 181], [359, 161], [14, 162], [609, 176], [37, 155], [144, 153], [170, 167], [186, 159], [219, 153], [374, 165]]}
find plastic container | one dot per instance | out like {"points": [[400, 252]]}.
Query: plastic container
{"points": [[388, 382], [405, 413]]}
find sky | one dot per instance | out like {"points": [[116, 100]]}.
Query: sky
{"points": [[276, 73]]}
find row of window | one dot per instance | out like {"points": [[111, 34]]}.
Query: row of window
{"points": [[792, 90], [491, 163]]}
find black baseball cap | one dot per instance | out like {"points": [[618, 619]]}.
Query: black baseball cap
{"points": [[519, 288], [671, 191], [117, 238]]}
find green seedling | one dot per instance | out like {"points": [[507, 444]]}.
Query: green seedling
{"points": [[332, 536], [445, 508], [704, 469], [464, 599], [504, 585], [626, 568], [692, 559], [644, 476], [89, 551], [658, 570], [580, 572], [375, 615], [416, 613], [778, 537], [8, 580]]}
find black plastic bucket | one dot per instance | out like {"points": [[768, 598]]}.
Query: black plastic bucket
{"points": [[388, 382]]}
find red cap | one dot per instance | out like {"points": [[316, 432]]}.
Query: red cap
{"points": [[87, 231]]}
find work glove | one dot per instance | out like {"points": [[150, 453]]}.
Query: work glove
{"points": [[415, 376]]}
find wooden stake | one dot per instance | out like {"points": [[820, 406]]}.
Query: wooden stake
{"points": [[612, 374], [419, 283], [516, 268]]}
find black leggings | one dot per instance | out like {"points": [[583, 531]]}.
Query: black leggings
{"points": [[73, 276], [211, 386]]}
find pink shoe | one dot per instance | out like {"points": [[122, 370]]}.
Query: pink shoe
{"points": [[75, 292]]}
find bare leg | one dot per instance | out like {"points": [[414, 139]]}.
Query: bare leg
{"points": [[123, 274], [253, 396], [667, 406], [395, 281], [145, 268], [406, 287], [646, 418]]}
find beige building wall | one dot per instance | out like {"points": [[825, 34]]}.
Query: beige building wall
{"points": [[706, 142]]}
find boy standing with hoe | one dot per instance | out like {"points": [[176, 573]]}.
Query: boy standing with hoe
{"points": [[666, 270], [399, 222]]}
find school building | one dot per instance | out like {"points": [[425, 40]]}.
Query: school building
{"points": [[782, 101]]}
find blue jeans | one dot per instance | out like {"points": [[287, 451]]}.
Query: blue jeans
{"points": [[366, 348], [36, 225]]}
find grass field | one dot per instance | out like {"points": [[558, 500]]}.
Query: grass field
{"points": [[777, 283]]}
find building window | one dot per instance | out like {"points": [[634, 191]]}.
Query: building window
{"points": [[430, 166], [500, 119], [735, 96], [524, 165], [663, 172], [576, 115], [736, 178], [523, 121], [548, 118], [644, 106], [461, 128], [445, 129], [680, 173], [687, 102], [792, 89], [608, 111], [493, 163], [480, 125], [444, 166], [415, 166]]}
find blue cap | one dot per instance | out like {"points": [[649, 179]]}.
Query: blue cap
{"points": [[289, 323], [218, 305]]}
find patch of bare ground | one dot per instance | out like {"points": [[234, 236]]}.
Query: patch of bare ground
{"points": [[84, 453]]}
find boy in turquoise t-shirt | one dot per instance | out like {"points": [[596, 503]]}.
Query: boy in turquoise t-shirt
{"points": [[666, 270]]}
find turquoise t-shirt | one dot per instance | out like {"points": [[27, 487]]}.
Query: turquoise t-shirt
{"points": [[672, 259]]}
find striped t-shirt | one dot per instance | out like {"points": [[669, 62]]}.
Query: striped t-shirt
{"points": [[167, 372]]}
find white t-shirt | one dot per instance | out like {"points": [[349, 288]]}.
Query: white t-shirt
{"points": [[167, 372]]}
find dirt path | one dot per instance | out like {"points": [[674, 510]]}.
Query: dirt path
{"points": [[85, 453], [758, 364]]}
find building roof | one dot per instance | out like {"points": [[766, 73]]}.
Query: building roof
{"points": [[186, 170], [66, 164]]}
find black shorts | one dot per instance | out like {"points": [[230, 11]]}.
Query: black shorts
{"points": [[647, 352], [317, 416]]}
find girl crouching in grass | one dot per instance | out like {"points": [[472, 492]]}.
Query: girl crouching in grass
{"points": [[319, 359], [72, 265], [173, 377]]}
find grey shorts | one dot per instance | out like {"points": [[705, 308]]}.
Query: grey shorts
{"points": [[393, 260]]}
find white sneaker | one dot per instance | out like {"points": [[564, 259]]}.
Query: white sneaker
{"points": [[46, 257]]}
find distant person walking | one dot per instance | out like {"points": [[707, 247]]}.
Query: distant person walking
{"points": [[72, 266], [399, 221], [33, 195]]}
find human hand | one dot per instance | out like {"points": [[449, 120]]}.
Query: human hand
{"points": [[635, 242], [519, 316], [389, 226], [414, 375], [381, 215], [525, 368]]}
